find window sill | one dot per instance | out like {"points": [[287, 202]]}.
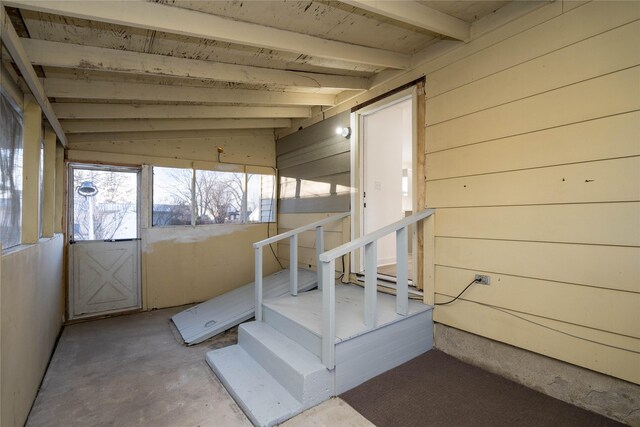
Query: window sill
{"points": [[24, 246]]}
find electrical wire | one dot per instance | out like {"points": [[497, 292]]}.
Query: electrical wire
{"points": [[459, 295], [534, 323], [273, 200]]}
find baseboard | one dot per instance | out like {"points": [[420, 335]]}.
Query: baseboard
{"points": [[593, 391]]}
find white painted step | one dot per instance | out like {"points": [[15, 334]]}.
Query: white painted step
{"points": [[292, 329], [298, 370], [260, 396], [216, 315]]}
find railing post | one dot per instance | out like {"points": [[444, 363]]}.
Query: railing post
{"points": [[370, 284], [328, 314], [293, 264], [402, 276], [258, 284], [319, 250]]}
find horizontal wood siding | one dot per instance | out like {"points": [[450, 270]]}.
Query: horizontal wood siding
{"points": [[318, 158], [314, 169], [533, 163]]}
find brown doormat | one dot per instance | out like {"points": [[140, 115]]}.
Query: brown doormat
{"points": [[435, 389]]}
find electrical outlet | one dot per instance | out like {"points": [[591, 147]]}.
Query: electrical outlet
{"points": [[482, 279]]}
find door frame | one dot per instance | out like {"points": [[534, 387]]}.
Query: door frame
{"points": [[357, 171], [71, 166]]}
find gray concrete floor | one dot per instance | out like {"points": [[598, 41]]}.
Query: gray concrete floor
{"points": [[134, 370]]}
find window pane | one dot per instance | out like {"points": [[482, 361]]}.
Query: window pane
{"points": [[219, 197], [171, 196], [104, 205], [10, 174], [260, 198]]}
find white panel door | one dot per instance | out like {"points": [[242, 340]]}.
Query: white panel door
{"points": [[104, 248], [105, 277], [387, 148]]}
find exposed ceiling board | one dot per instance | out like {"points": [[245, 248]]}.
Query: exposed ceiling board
{"points": [[187, 60], [88, 75], [418, 15], [147, 125], [468, 11], [138, 111], [192, 23], [330, 20], [68, 88], [58, 28]]}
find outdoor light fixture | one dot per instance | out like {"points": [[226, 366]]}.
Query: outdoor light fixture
{"points": [[346, 131], [87, 189]]}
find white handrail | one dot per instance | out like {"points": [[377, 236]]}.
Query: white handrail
{"points": [[374, 235], [369, 242], [299, 230], [293, 256]]}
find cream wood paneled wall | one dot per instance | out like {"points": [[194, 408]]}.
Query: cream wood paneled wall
{"points": [[182, 265], [533, 163], [32, 309]]}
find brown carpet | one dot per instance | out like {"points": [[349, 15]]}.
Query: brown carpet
{"points": [[435, 389]]}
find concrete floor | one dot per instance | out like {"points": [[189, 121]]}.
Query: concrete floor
{"points": [[135, 371]]}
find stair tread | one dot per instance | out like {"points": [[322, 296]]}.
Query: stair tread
{"points": [[298, 357], [263, 399]]}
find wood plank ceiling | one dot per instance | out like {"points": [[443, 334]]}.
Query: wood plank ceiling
{"points": [[138, 66]]}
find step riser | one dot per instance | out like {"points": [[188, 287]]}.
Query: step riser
{"points": [[265, 402], [309, 388], [369, 355], [293, 331]]}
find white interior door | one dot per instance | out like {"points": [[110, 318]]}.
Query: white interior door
{"points": [[387, 172], [104, 245]]}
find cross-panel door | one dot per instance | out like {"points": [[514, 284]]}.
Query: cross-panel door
{"points": [[104, 244]]}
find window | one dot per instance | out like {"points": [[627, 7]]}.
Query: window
{"points": [[219, 197], [260, 198], [104, 204], [199, 197], [11, 154], [172, 196]]}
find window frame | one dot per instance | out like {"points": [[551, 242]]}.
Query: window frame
{"points": [[226, 167]]}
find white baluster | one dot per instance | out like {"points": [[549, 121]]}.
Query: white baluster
{"points": [[370, 284], [293, 264], [402, 276], [328, 314], [319, 250], [258, 284]]}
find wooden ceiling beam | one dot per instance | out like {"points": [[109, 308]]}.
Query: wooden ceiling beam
{"points": [[12, 43], [170, 19], [67, 55], [419, 15], [74, 110], [101, 89], [150, 125]]}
